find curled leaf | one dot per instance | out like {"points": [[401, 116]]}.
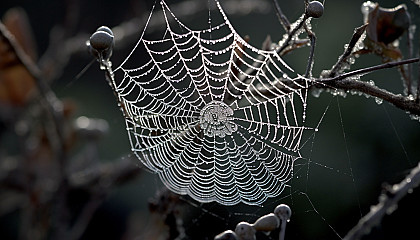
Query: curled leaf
{"points": [[385, 24]]}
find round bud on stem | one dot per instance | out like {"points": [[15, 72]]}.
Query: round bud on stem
{"points": [[283, 212], [105, 29], [101, 40], [245, 231], [315, 9]]}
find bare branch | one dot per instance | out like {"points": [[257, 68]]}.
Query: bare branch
{"points": [[282, 18], [371, 69], [345, 82], [401, 102], [388, 202]]}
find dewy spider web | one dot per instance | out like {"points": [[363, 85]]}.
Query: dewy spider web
{"points": [[213, 116]]}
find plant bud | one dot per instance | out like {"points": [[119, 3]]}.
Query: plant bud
{"points": [[267, 223], [283, 212], [245, 231], [105, 29], [101, 40], [315, 9]]}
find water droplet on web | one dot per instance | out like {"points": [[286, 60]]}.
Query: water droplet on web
{"points": [[316, 92], [379, 100], [206, 123], [410, 97], [414, 116]]}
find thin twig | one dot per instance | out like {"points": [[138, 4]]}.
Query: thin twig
{"points": [[312, 37], [291, 34], [282, 18], [387, 204], [358, 33], [371, 69], [279, 49]]}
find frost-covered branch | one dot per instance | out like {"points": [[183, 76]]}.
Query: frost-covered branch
{"points": [[388, 202], [350, 82], [343, 59]]}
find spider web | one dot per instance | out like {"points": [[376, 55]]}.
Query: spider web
{"points": [[216, 118]]}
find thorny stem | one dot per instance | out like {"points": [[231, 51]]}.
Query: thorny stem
{"points": [[388, 202]]}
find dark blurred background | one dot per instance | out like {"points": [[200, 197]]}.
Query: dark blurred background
{"points": [[333, 186]]}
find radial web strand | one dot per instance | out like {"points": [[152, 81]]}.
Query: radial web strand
{"points": [[216, 118]]}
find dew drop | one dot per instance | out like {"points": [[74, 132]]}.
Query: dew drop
{"points": [[414, 117], [410, 97], [379, 101], [317, 92]]}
